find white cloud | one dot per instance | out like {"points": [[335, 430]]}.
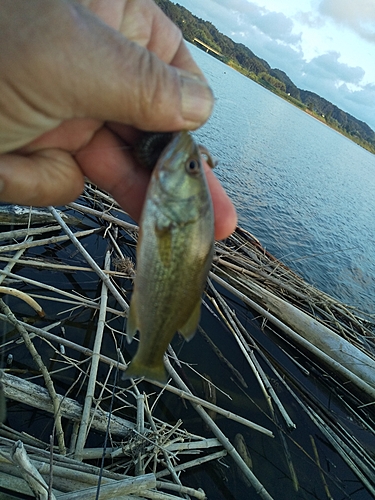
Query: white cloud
{"points": [[340, 84], [273, 24], [359, 16], [310, 19], [357, 103], [328, 66], [277, 26], [309, 43]]}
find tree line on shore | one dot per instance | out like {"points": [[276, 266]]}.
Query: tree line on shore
{"points": [[241, 58]]}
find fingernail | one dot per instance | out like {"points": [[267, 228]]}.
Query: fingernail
{"points": [[197, 99]]}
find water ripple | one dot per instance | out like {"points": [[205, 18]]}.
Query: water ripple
{"points": [[302, 188]]}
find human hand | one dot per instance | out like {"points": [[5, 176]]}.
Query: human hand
{"points": [[77, 84]]}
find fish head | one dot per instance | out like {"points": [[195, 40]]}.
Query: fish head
{"points": [[179, 173]]}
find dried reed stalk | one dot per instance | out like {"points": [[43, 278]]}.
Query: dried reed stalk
{"points": [[242, 265], [30, 474], [37, 397], [29, 231], [25, 297], [103, 215], [47, 241], [91, 261], [46, 376], [90, 392], [329, 361], [259, 488]]}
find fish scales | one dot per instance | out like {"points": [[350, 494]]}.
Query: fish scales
{"points": [[174, 255]]}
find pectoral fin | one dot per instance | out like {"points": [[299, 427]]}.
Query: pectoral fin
{"points": [[164, 240], [131, 322], [189, 328]]}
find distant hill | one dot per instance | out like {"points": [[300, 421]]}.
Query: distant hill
{"points": [[244, 60]]}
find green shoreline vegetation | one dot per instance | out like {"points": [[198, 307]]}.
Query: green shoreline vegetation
{"points": [[243, 60]]}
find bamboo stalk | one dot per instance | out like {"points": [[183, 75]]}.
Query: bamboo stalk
{"points": [[169, 388], [274, 275], [209, 406], [194, 445], [194, 399], [140, 426], [193, 463], [348, 456], [13, 261], [158, 495], [317, 459], [184, 490], [222, 358], [65, 467], [12, 483], [23, 233], [248, 353], [271, 391], [168, 462], [353, 460], [328, 311], [60, 267], [64, 479], [77, 305], [76, 298]]}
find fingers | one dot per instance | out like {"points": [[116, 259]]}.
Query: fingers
{"points": [[142, 77], [99, 73], [111, 166], [225, 213], [143, 91], [54, 177], [146, 24], [163, 79], [49, 177]]}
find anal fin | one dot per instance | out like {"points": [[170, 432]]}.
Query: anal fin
{"points": [[189, 328]]}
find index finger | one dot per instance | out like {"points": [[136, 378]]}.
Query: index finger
{"points": [[144, 23], [113, 168]]}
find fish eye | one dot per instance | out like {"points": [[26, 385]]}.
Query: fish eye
{"points": [[192, 166]]}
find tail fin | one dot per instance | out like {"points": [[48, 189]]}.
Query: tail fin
{"points": [[150, 372]]}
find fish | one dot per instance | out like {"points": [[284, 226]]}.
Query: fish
{"points": [[174, 255]]}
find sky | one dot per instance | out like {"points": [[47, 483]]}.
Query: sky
{"points": [[325, 46]]}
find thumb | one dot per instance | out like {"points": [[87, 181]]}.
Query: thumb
{"points": [[132, 85], [59, 62]]}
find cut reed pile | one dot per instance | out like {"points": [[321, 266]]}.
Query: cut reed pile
{"points": [[112, 438]]}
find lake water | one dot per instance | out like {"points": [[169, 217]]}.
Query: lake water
{"points": [[303, 189]]}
